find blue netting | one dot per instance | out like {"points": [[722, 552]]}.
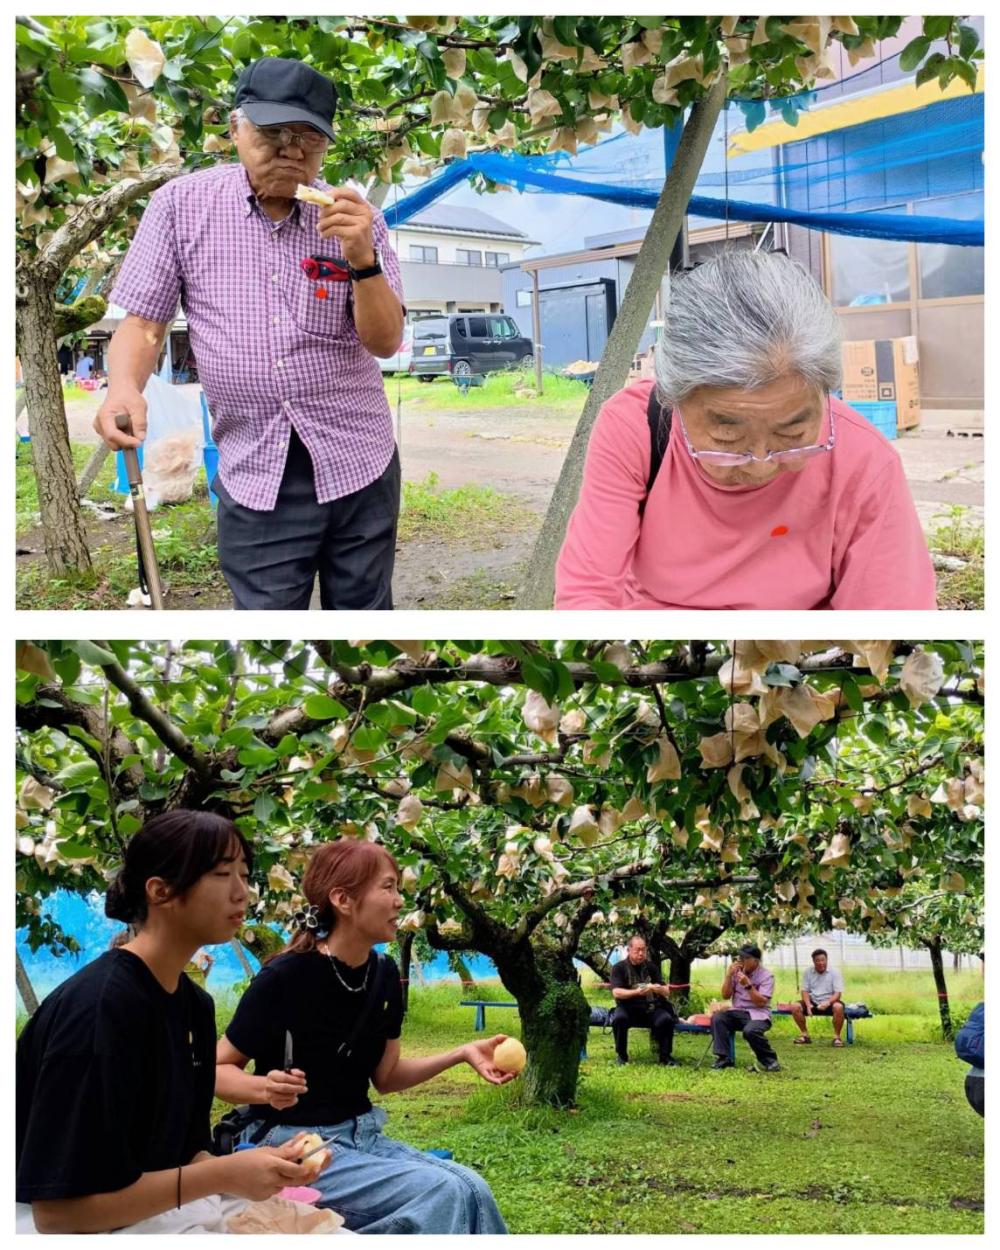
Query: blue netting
{"points": [[881, 180]]}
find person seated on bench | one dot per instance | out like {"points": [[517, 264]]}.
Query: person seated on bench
{"points": [[641, 1002], [970, 1046], [750, 986], [115, 1070], [822, 991], [340, 1003]]}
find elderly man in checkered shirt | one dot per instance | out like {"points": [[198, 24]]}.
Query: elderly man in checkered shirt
{"points": [[288, 303]]}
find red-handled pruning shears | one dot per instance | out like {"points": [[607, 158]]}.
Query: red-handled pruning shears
{"points": [[330, 267]]}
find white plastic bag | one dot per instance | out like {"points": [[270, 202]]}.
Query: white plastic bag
{"points": [[172, 452]]}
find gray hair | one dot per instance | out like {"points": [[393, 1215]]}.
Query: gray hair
{"points": [[236, 119], [742, 320]]}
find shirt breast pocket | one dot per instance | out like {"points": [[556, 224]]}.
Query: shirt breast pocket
{"points": [[318, 307]]}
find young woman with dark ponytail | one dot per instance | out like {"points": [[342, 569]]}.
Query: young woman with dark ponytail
{"points": [[115, 1071], [316, 992]]}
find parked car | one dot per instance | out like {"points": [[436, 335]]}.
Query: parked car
{"points": [[467, 343], [400, 361]]}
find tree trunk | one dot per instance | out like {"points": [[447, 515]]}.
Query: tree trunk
{"points": [[92, 468], [244, 962], [554, 1018], [62, 519], [465, 976], [680, 975], [937, 965], [651, 264], [405, 954], [24, 986]]}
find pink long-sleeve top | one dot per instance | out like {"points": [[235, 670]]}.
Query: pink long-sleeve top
{"points": [[840, 533]]}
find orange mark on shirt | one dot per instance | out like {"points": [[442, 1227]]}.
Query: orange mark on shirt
{"points": [[779, 530], [321, 292]]}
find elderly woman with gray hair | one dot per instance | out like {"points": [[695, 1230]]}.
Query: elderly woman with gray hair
{"points": [[737, 480]]}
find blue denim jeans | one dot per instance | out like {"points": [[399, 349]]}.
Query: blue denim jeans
{"points": [[383, 1186]]}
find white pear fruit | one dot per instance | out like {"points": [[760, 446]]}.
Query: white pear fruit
{"points": [[317, 1161], [510, 1056]]}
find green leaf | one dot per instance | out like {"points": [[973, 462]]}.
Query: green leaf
{"points": [[257, 756], [935, 27], [914, 52], [91, 653], [264, 808], [80, 774], [564, 29], [968, 41], [62, 85], [322, 707], [966, 72], [424, 700]]}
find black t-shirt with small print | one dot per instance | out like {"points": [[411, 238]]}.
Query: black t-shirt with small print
{"points": [[300, 992], [114, 1077]]}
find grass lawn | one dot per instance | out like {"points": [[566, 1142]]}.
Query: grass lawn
{"points": [[507, 388], [874, 1138]]}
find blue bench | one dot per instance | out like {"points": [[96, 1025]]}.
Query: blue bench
{"points": [[480, 1006], [849, 1018]]}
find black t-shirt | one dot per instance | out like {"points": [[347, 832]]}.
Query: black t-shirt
{"points": [[115, 1077], [299, 992], [626, 976]]}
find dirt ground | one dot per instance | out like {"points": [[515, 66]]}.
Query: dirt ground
{"points": [[519, 452]]}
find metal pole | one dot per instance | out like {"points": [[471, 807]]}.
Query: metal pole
{"points": [[536, 329], [143, 528]]}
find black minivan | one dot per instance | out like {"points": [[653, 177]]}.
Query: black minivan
{"points": [[466, 343]]}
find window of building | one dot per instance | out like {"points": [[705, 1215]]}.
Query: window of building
{"points": [[495, 259], [427, 255], [522, 298], [947, 270], [869, 271], [466, 256]]}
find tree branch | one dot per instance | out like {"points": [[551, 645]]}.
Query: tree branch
{"points": [[577, 923], [52, 708], [94, 217], [456, 942], [161, 724]]}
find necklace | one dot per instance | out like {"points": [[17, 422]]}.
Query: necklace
{"points": [[351, 989]]}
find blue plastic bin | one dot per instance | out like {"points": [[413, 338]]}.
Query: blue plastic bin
{"points": [[882, 415]]}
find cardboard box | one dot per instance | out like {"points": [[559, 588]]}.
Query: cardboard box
{"points": [[887, 370]]}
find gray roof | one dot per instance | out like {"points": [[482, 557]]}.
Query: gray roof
{"points": [[461, 221]]}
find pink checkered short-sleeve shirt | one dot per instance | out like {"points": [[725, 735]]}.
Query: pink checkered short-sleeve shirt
{"points": [[272, 352]]}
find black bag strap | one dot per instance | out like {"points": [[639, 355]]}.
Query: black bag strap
{"points": [[374, 995], [659, 420]]}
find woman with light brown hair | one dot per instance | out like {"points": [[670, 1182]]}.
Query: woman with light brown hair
{"points": [[322, 1020]]}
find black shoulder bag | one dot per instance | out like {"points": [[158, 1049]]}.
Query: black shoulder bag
{"points": [[232, 1125], [659, 420]]}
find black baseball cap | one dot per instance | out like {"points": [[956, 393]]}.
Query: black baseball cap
{"points": [[274, 91], [748, 948]]}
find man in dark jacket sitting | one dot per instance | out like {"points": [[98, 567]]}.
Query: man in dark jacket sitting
{"points": [[641, 1002]]}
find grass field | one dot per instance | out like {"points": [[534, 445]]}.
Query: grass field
{"points": [[507, 388], [875, 1138]]}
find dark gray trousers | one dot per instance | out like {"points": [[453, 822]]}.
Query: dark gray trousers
{"points": [[270, 559], [726, 1023]]}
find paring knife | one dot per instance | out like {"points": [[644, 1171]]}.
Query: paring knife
{"points": [[316, 1149], [288, 1051]]}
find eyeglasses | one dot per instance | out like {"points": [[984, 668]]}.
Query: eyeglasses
{"points": [[729, 459], [282, 137]]}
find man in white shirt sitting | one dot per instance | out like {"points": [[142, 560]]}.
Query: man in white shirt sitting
{"points": [[822, 991]]}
